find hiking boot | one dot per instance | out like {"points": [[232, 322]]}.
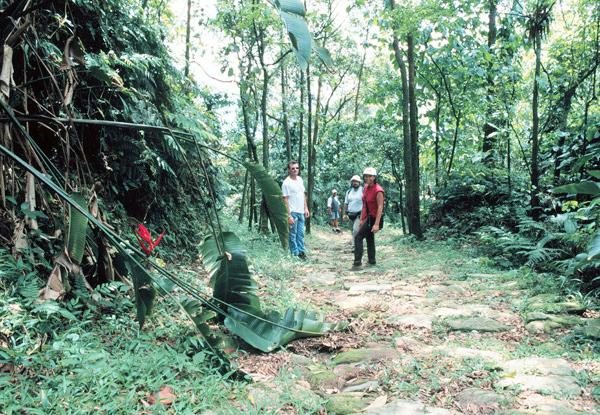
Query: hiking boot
{"points": [[302, 256], [356, 265], [372, 264]]}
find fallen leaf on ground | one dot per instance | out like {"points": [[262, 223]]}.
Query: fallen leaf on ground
{"points": [[164, 396]]}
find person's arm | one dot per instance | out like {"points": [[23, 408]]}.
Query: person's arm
{"points": [[287, 206], [329, 202], [306, 211], [375, 227]]}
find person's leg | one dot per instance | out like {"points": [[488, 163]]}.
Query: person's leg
{"points": [[363, 230], [371, 247], [355, 227], [299, 218], [292, 237]]}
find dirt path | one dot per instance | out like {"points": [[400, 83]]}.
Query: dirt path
{"points": [[430, 331]]}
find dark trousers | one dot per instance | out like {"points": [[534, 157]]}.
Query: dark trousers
{"points": [[364, 232]]}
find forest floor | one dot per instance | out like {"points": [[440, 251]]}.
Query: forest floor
{"points": [[431, 330]]}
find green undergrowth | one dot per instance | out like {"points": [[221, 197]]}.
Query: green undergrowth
{"points": [[86, 354]]}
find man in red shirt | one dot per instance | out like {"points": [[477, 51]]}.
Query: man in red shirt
{"points": [[371, 218]]}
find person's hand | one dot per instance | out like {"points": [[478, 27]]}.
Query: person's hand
{"points": [[362, 221], [306, 213], [290, 220], [375, 228]]}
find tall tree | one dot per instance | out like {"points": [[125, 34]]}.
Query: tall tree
{"points": [[489, 128], [538, 23]]}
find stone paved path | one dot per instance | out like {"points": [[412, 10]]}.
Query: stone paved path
{"points": [[429, 333]]}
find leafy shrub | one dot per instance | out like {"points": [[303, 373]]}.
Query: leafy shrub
{"points": [[474, 199]]}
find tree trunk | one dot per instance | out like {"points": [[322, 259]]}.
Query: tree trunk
{"points": [[414, 216], [535, 129], [188, 30], [286, 125], [408, 171], [360, 73], [243, 202], [454, 141], [489, 128], [438, 108], [309, 145], [301, 126]]}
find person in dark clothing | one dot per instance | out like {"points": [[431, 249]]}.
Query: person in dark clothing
{"points": [[371, 218]]}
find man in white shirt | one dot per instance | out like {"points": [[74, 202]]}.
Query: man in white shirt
{"points": [[295, 200]]}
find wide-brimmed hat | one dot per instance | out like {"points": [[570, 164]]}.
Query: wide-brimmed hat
{"points": [[356, 177], [370, 171]]}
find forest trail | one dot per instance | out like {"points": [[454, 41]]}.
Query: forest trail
{"points": [[431, 331]]}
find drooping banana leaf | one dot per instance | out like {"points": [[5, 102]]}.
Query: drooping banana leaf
{"points": [[274, 199], [230, 278], [199, 316], [292, 13], [583, 187], [266, 336], [77, 230], [143, 289]]}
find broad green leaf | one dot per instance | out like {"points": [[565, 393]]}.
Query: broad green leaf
{"points": [[291, 6], [274, 199], [570, 226], [594, 247], [324, 56], [77, 230], [266, 336], [230, 278], [299, 35], [199, 316], [594, 173], [586, 188], [143, 289]]}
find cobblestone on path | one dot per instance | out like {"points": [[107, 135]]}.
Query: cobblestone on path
{"points": [[430, 334]]}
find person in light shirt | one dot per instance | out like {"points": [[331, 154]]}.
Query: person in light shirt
{"points": [[353, 205], [334, 209], [294, 196]]}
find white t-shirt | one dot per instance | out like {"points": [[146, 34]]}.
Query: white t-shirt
{"points": [[294, 191], [354, 199]]}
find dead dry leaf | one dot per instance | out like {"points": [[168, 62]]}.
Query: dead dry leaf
{"points": [[379, 402], [164, 396]]}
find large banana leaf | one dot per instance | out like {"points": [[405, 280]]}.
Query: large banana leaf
{"points": [[292, 13], [272, 331], [77, 230], [143, 289], [274, 199], [584, 187], [230, 278]]}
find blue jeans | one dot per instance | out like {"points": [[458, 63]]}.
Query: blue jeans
{"points": [[297, 234]]}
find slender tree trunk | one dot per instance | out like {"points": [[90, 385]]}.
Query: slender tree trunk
{"points": [[454, 141], [286, 125], [438, 107], [508, 162], [414, 216], [406, 142], [360, 73], [489, 128], [243, 202], [188, 30], [301, 126], [535, 129], [309, 145]]}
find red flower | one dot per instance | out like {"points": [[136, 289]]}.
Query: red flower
{"points": [[145, 239]]}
